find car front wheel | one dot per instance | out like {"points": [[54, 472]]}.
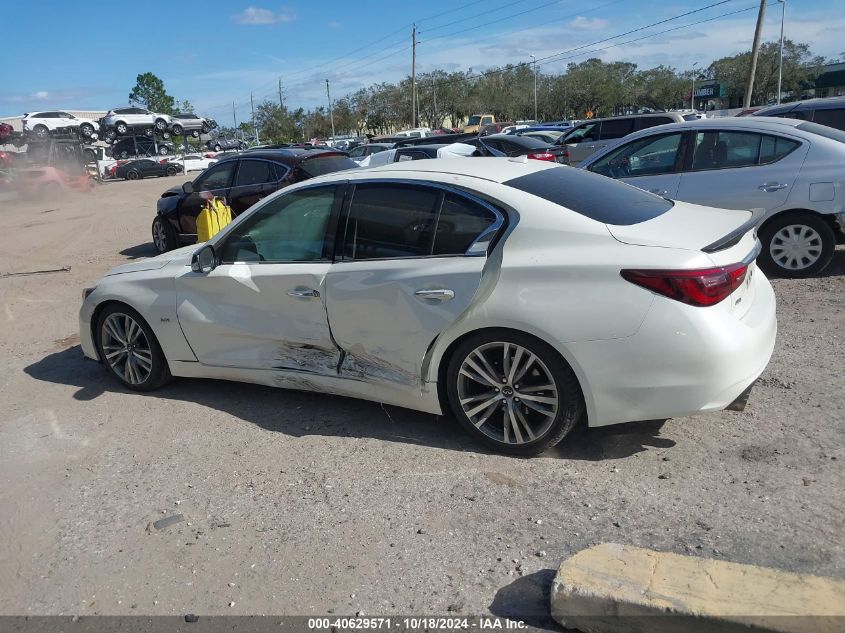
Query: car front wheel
{"points": [[121, 128], [513, 392], [129, 348], [132, 175], [164, 235], [87, 130], [796, 245]]}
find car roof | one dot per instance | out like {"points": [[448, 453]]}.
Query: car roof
{"points": [[287, 155], [820, 103]]}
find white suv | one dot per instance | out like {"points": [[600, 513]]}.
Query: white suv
{"points": [[42, 123], [122, 119]]}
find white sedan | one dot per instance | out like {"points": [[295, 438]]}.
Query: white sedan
{"points": [[520, 296], [195, 162]]}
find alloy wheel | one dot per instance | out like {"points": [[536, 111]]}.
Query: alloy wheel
{"points": [[507, 392], [795, 247], [159, 237], [126, 348]]}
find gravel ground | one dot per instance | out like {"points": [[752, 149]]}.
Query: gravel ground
{"points": [[297, 503]]}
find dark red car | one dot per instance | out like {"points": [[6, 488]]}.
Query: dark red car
{"points": [[242, 180]]}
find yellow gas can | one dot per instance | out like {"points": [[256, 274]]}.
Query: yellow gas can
{"points": [[214, 216]]}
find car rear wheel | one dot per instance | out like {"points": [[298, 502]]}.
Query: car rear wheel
{"points": [[121, 128], [161, 125], [177, 130], [129, 349], [132, 175], [195, 133], [513, 392], [165, 237], [163, 151], [171, 171], [796, 245], [110, 136], [87, 130], [41, 132]]}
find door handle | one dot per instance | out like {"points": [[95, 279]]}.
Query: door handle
{"points": [[772, 186], [439, 294], [305, 293], [659, 192]]}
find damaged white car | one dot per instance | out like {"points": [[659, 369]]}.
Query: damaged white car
{"points": [[518, 295]]}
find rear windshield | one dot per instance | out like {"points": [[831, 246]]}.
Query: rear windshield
{"points": [[823, 130], [597, 197], [320, 165]]}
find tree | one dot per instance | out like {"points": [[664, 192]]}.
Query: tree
{"points": [[149, 92]]}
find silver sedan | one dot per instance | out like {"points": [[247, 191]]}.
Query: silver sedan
{"points": [[790, 168]]}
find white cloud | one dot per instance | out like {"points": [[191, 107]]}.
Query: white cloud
{"points": [[255, 15], [41, 95], [588, 24]]}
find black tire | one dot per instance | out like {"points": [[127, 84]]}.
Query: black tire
{"points": [[165, 135], [132, 175], [570, 401], [171, 171], [163, 150], [775, 259], [160, 125], [206, 128], [149, 132], [41, 132], [121, 128], [217, 147], [110, 136], [165, 237], [195, 133], [87, 130], [160, 371], [177, 129]]}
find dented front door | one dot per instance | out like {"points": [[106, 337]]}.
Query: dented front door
{"points": [[258, 316]]}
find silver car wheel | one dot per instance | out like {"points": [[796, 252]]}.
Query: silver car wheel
{"points": [[126, 348], [795, 247], [159, 237], [507, 392]]}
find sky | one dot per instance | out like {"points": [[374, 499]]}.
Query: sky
{"points": [[216, 52]]}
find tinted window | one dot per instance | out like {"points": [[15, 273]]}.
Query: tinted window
{"points": [[834, 117], [773, 148], [644, 157], [218, 177], [794, 114], [290, 228], [651, 121], [320, 165], [358, 151], [823, 130], [616, 128], [390, 221], [460, 222], [254, 172], [596, 197], [725, 150]]}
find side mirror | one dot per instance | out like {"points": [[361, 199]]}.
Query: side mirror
{"points": [[188, 187], [204, 260]]}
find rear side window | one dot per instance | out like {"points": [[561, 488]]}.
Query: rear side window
{"points": [[773, 148], [616, 128], [651, 121], [254, 172], [460, 222], [320, 165], [596, 197], [727, 150], [834, 117]]}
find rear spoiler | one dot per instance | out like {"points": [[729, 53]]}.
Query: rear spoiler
{"points": [[735, 236]]}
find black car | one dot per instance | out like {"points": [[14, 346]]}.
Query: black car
{"points": [[242, 180], [512, 145], [139, 146], [219, 144], [143, 168], [829, 111]]}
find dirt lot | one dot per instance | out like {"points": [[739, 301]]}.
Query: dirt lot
{"points": [[298, 503]]}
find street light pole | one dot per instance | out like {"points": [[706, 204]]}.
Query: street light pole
{"points": [[534, 64], [331, 113], [780, 64], [692, 90]]}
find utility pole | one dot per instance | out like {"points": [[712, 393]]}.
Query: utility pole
{"points": [[780, 64], [534, 64], [692, 90], [281, 103], [434, 92], [234, 116], [414, 76], [755, 51], [254, 127], [331, 115]]}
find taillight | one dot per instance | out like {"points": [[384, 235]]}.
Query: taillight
{"points": [[703, 287], [542, 156]]}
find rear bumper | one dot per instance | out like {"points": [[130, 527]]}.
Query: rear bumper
{"points": [[683, 361]]}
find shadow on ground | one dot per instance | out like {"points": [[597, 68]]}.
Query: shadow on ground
{"points": [[527, 599], [140, 251], [299, 414]]}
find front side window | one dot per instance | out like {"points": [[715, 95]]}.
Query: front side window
{"points": [[291, 228], [254, 172], [648, 156], [358, 151], [218, 177], [727, 150]]}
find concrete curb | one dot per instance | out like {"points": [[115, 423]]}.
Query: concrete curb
{"points": [[614, 588]]}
